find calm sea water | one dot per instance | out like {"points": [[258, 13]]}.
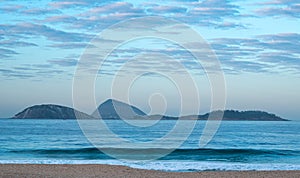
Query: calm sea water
{"points": [[237, 145]]}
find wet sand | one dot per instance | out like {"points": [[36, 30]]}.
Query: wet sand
{"points": [[99, 170]]}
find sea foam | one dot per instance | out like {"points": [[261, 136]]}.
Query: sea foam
{"points": [[174, 166]]}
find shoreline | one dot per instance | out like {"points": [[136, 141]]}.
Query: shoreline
{"points": [[103, 170]]}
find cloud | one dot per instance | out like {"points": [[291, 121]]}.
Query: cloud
{"points": [[66, 62], [280, 8], [28, 10], [70, 45], [8, 73], [40, 11], [100, 17], [71, 3], [23, 68], [238, 67], [15, 43], [213, 13], [286, 42], [283, 60], [48, 72], [30, 29], [31, 71], [69, 24], [6, 53], [96, 16], [66, 4], [11, 8], [150, 62], [61, 19], [237, 55], [278, 2], [214, 9], [117, 7], [263, 53], [166, 9], [174, 53], [230, 25]]}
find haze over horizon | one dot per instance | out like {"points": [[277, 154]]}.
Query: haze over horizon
{"points": [[257, 44]]}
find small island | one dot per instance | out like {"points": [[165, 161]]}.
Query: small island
{"points": [[107, 110], [51, 111]]}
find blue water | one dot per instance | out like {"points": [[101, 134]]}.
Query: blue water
{"points": [[237, 145]]}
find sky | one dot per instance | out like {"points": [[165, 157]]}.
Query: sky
{"points": [[257, 44]]}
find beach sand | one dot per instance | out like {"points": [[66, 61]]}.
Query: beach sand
{"points": [[43, 170]]}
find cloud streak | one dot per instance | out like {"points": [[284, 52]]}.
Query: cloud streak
{"points": [[280, 8], [11, 8], [260, 54], [66, 4], [31, 29], [6, 53], [16, 43], [70, 25], [67, 62]]}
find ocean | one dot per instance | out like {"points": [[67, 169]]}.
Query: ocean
{"points": [[237, 145]]}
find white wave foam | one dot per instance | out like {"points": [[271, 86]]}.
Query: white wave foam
{"points": [[202, 166], [178, 166]]}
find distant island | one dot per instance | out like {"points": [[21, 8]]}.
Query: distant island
{"points": [[107, 110], [51, 111]]}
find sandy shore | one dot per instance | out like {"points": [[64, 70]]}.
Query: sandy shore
{"points": [[42, 170]]}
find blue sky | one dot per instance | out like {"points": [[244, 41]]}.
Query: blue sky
{"points": [[257, 43]]}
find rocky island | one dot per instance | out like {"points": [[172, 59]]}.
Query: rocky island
{"points": [[51, 111], [107, 110]]}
